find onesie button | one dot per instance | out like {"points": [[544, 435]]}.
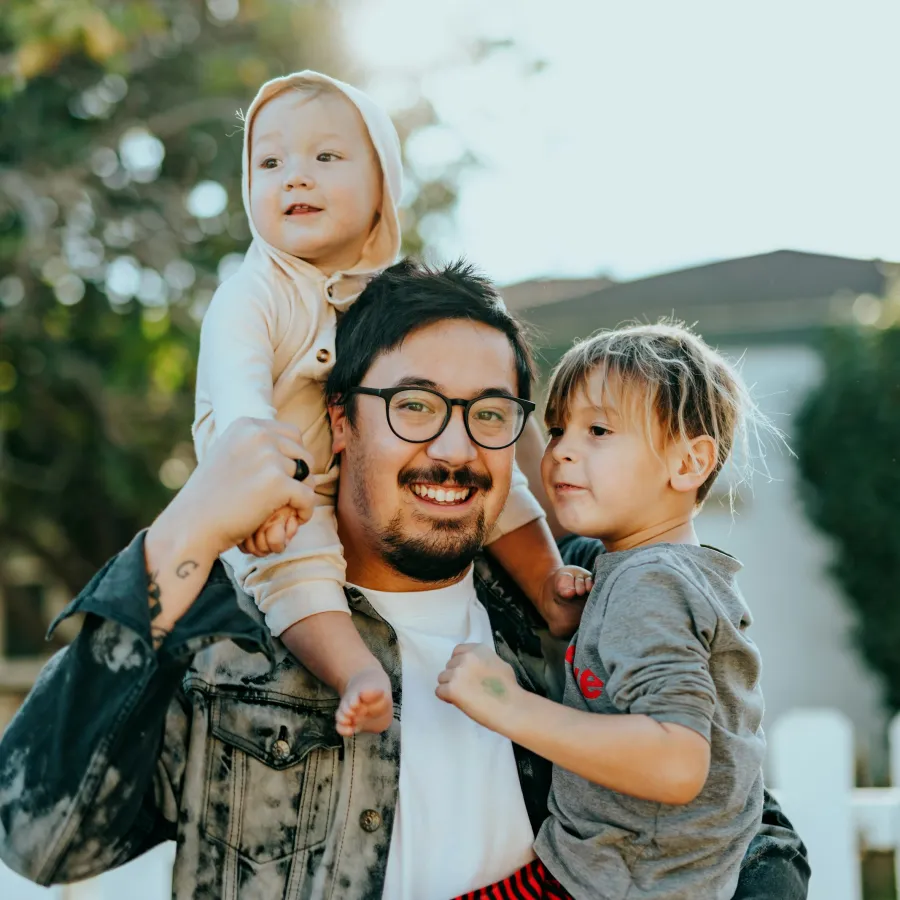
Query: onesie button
{"points": [[370, 820], [323, 356]]}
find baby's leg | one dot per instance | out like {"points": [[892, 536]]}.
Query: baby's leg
{"points": [[329, 645]]}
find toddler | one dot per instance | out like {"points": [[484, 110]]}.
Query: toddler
{"points": [[657, 745], [321, 183]]}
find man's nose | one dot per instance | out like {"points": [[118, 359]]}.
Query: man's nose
{"points": [[453, 445]]}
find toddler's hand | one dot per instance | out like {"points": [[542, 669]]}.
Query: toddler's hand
{"points": [[479, 683], [274, 534], [563, 598]]}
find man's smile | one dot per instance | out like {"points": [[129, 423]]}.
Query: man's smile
{"points": [[443, 495]]}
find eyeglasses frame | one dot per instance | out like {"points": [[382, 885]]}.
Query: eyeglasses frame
{"points": [[388, 394]]}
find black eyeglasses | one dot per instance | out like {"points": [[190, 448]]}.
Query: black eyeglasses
{"points": [[419, 415]]}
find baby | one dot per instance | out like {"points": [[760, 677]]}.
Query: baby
{"points": [[657, 745], [321, 183]]}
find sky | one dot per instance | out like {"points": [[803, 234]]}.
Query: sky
{"points": [[651, 135]]}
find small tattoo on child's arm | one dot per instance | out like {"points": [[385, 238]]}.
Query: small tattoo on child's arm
{"points": [[494, 686]]}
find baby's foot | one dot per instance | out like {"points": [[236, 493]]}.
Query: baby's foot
{"points": [[367, 704]]}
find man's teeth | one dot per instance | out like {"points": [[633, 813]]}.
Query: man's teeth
{"points": [[442, 495]]}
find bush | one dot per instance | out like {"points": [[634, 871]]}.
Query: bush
{"points": [[848, 444]]}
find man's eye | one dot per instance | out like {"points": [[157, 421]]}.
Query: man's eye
{"points": [[414, 406], [327, 157], [599, 431], [490, 415]]}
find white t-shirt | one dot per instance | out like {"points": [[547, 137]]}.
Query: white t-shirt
{"points": [[461, 821]]}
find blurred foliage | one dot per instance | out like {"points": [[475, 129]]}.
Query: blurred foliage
{"points": [[848, 444], [113, 113]]}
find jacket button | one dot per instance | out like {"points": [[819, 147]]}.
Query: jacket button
{"points": [[323, 356], [370, 820], [281, 749]]}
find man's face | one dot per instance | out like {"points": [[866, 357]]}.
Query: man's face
{"points": [[391, 516], [315, 180]]}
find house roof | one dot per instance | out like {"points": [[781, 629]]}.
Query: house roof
{"points": [[540, 292], [752, 298]]}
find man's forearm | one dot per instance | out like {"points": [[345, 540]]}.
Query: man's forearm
{"points": [[529, 554], [631, 754], [178, 565]]}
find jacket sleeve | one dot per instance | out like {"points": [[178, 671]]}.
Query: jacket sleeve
{"points": [[91, 765], [521, 507], [776, 863]]}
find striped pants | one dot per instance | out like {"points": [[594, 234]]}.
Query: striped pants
{"points": [[531, 882]]}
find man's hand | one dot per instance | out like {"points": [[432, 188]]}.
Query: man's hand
{"points": [[563, 597], [482, 685], [247, 475]]}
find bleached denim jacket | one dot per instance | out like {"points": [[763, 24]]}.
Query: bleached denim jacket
{"points": [[222, 742]]}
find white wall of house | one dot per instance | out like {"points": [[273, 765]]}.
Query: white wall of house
{"points": [[801, 621]]}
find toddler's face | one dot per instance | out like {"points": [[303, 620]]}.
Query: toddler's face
{"points": [[315, 180], [600, 470]]}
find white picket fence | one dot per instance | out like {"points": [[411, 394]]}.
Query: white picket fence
{"points": [[812, 757]]}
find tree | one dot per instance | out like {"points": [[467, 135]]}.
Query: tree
{"points": [[120, 209], [848, 445]]}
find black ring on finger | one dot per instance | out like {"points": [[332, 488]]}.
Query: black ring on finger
{"points": [[302, 470]]}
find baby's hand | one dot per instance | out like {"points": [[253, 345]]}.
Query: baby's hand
{"points": [[563, 598], [274, 534], [481, 684]]}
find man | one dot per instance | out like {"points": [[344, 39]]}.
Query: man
{"points": [[152, 725]]}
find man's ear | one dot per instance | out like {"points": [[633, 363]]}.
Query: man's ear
{"points": [[692, 462], [337, 415]]}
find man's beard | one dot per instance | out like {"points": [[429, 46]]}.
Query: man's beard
{"points": [[449, 549], [442, 556]]}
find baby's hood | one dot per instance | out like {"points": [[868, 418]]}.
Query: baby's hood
{"points": [[383, 246]]}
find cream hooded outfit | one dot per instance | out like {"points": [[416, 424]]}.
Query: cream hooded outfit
{"points": [[266, 348]]}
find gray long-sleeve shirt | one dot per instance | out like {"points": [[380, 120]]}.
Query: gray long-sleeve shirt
{"points": [[664, 634]]}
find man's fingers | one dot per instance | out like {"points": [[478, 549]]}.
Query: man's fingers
{"points": [[460, 649], [302, 498], [292, 451]]}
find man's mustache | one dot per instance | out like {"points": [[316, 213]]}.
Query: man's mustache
{"points": [[462, 477]]}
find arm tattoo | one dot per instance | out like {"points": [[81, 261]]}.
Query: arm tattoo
{"points": [[157, 635], [184, 569], [153, 595]]}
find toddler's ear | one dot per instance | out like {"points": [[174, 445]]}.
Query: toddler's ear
{"points": [[692, 462]]}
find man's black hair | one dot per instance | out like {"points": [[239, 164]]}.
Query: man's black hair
{"points": [[408, 296]]}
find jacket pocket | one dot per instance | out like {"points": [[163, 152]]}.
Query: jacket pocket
{"points": [[270, 776]]}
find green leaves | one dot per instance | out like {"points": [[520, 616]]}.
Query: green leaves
{"points": [[848, 444]]}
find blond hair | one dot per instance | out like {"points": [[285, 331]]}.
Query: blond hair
{"points": [[666, 374]]}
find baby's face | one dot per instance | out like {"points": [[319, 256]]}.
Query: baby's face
{"points": [[315, 180]]}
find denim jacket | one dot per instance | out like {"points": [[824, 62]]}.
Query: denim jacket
{"points": [[222, 742]]}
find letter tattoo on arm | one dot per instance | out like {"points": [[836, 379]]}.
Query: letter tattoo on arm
{"points": [[159, 633], [184, 569]]}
